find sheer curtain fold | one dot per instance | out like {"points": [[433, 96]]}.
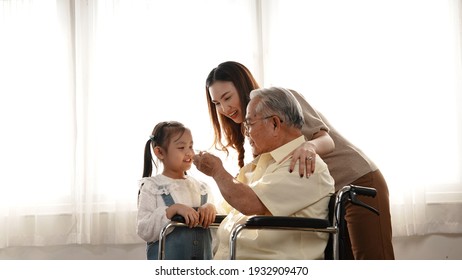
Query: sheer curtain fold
{"points": [[431, 203], [392, 87], [37, 136], [84, 82]]}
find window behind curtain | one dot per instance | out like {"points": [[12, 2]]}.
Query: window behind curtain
{"points": [[150, 60], [36, 105], [387, 76], [83, 83]]}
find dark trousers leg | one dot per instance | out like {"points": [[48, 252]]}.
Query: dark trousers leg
{"points": [[370, 235]]}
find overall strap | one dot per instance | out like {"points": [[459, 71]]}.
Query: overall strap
{"points": [[168, 199], [203, 199], [204, 196]]}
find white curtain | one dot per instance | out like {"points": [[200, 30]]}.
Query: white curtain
{"points": [[82, 84], [387, 74]]}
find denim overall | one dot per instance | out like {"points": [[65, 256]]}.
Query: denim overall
{"points": [[183, 243]]}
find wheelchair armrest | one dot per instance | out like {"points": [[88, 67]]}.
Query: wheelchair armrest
{"points": [[279, 223], [219, 219], [180, 219], [287, 222]]}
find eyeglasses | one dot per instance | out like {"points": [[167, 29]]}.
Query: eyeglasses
{"points": [[246, 125]]}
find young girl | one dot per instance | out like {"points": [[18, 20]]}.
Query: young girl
{"points": [[174, 192]]}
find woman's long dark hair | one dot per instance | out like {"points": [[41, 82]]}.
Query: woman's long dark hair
{"points": [[240, 76]]}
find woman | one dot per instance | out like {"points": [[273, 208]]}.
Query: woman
{"points": [[227, 89]]}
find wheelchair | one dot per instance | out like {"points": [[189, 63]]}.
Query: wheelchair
{"points": [[335, 226]]}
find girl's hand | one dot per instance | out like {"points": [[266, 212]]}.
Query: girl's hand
{"points": [[207, 213], [305, 154], [190, 215]]}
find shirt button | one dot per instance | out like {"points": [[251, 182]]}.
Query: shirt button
{"points": [[195, 242]]}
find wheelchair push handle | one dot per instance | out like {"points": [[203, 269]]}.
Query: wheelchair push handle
{"points": [[363, 190], [359, 190]]}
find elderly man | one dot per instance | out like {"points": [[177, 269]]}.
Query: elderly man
{"points": [[264, 187]]}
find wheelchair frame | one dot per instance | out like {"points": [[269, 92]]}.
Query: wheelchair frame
{"points": [[334, 226]]}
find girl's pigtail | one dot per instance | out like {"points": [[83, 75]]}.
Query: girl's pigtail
{"points": [[147, 169]]}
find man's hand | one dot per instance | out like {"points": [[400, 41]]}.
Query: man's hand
{"points": [[208, 163]]}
